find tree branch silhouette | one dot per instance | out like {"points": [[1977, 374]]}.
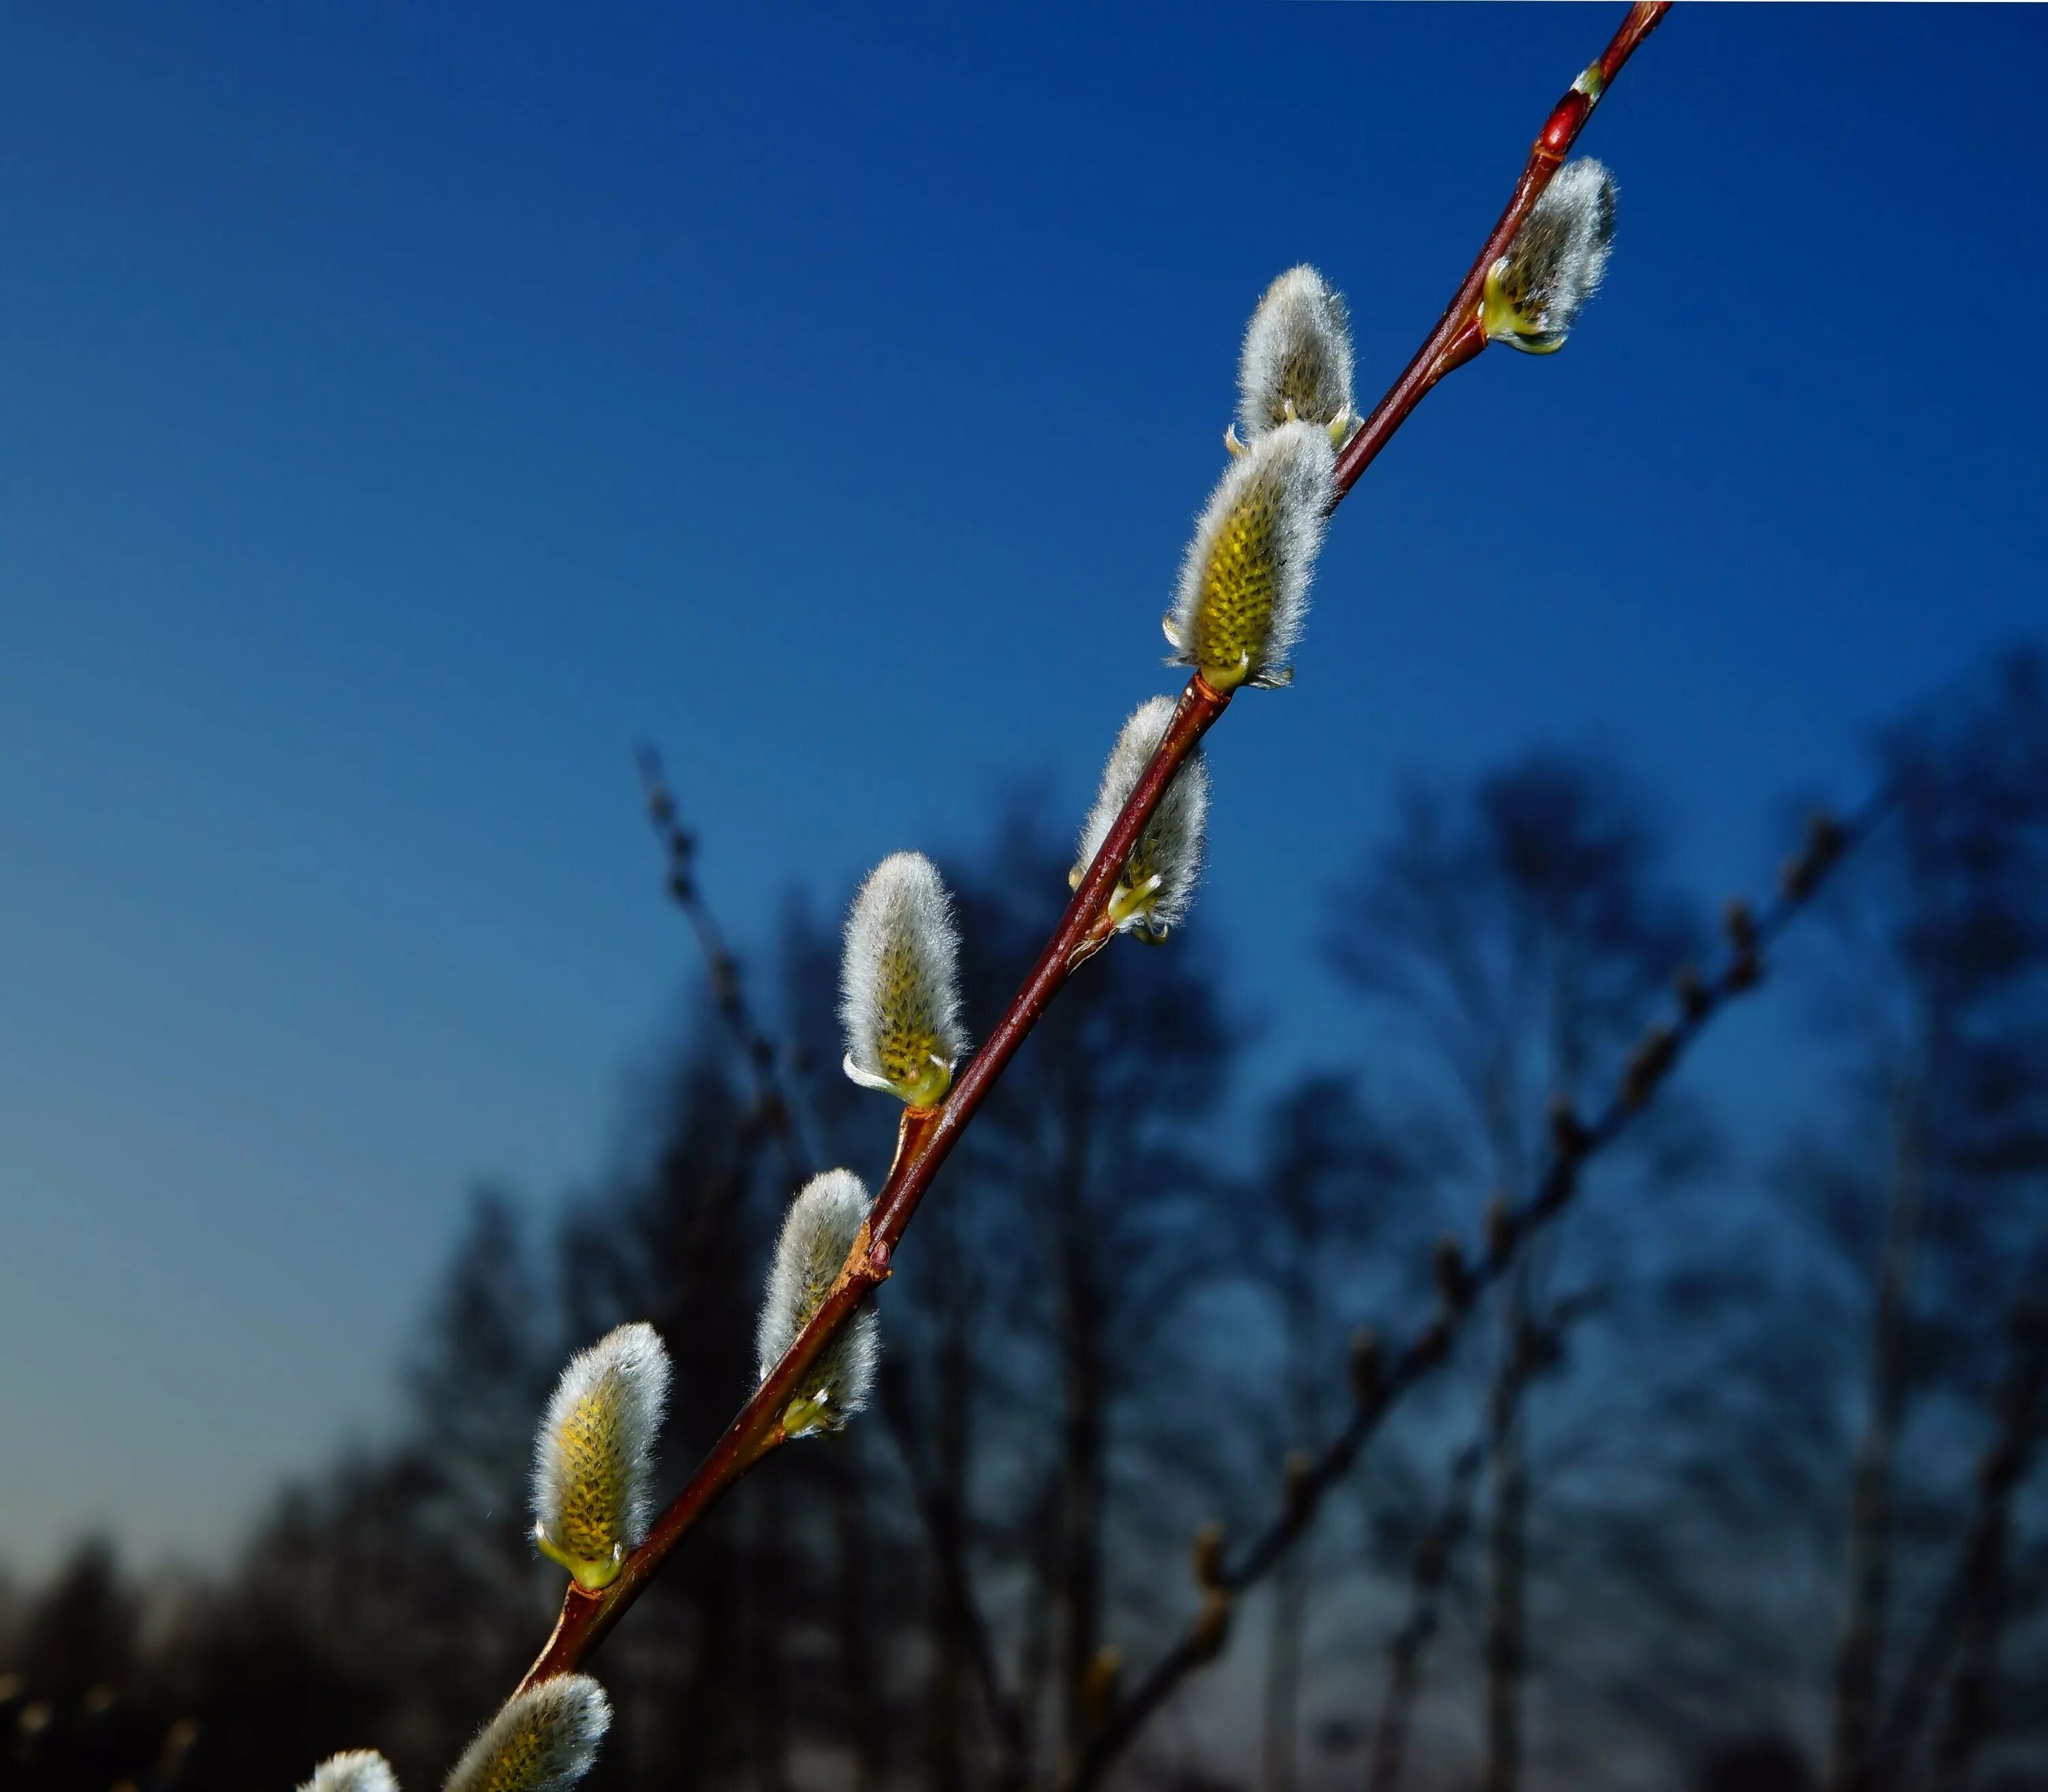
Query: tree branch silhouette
{"points": [[1574, 1143]]}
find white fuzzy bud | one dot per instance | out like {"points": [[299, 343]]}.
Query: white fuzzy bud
{"points": [[1295, 364], [899, 983], [817, 1238], [360, 1769], [1157, 881], [1535, 292], [544, 1740], [593, 1459], [1244, 583]]}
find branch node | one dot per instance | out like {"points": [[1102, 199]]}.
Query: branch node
{"points": [[1653, 1056], [1100, 1687], [1212, 1627], [1695, 1000], [1568, 1137]]}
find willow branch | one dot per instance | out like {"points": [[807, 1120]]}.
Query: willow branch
{"points": [[927, 1136], [1574, 1143]]}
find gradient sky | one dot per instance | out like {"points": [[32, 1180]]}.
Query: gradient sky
{"points": [[401, 412]]}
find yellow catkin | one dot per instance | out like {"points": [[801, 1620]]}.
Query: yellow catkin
{"points": [[593, 1456], [1244, 583], [1234, 608], [595, 1476], [908, 1040]]}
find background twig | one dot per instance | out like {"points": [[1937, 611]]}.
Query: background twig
{"points": [[1574, 1143]]}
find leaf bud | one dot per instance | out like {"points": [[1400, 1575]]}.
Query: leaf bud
{"points": [[1295, 364], [1211, 1627], [1101, 1685]]}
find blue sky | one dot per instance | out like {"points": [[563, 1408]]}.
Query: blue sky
{"points": [[401, 412]]}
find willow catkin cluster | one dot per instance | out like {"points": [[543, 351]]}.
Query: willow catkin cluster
{"points": [[1296, 362], [1157, 881], [899, 983], [1244, 583], [817, 1237], [360, 1769], [593, 1459], [544, 1740], [1535, 292]]}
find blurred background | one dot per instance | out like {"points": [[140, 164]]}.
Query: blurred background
{"points": [[408, 412]]}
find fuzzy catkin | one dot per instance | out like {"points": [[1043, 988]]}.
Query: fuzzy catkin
{"points": [[1157, 883], [1296, 362], [1535, 292], [817, 1237], [1244, 582], [593, 1458], [899, 983], [359, 1770], [544, 1740]]}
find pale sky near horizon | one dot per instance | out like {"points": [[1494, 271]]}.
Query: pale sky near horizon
{"points": [[401, 414]]}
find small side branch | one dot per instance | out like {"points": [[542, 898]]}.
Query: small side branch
{"points": [[774, 1109]]}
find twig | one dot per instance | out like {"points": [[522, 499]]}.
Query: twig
{"points": [[1573, 1144], [773, 1108], [1858, 1655], [1985, 1565], [946, 1524], [1967, 1607], [928, 1136], [1431, 1569]]}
